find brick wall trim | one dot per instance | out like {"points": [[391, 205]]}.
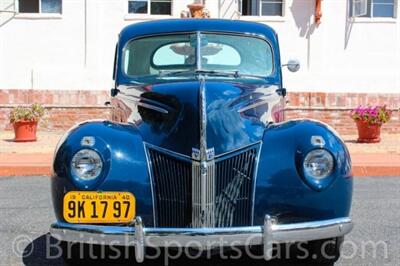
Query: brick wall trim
{"points": [[66, 108]]}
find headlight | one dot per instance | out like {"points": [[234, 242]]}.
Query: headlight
{"points": [[318, 164], [86, 164]]}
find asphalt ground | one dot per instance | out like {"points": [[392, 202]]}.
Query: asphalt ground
{"points": [[26, 213]]}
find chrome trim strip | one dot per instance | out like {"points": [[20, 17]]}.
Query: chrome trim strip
{"points": [[253, 190], [139, 236], [203, 119], [254, 95], [124, 91], [233, 152], [168, 152], [190, 159], [208, 187], [198, 50], [196, 195], [203, 194], [203, 172], [152, 107], [150, 170], [140, 101], [253, 105]]}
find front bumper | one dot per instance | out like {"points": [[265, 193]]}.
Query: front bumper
{"points": [[140, 237]]}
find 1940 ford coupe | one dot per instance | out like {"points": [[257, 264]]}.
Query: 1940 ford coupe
{"points": [[198, 153]]}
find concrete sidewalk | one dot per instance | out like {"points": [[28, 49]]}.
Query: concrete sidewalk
{"points": [[375, 159], [34, 158]]}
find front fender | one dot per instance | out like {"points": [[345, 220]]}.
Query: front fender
{"points": [[281, 191], [122, 150]]}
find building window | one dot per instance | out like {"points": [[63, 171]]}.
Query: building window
{"points": [[262, 7], [150, 7], [373, 8], [39, 6]]}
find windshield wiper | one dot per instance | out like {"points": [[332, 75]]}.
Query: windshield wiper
{"points": [[235, 73], [165, 73]]}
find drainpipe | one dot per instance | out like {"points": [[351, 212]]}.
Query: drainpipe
{"points": [[85, 33], [219, 8]]}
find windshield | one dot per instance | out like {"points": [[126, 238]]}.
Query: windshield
{"points": [[215, 53]]}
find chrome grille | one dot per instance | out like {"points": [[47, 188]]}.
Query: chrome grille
{"points": [[203, 194], [234, 187], [172, 185], [222, 197]]}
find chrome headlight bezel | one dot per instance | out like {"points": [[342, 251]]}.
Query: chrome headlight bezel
{"points": [[318, 166], [86, 165]]}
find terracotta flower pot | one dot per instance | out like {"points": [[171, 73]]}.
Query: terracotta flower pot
{"points": [[25, 131], [196, 10], [368, 133]]}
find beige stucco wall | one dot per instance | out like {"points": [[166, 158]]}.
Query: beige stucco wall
{"points": [[75, 50]]}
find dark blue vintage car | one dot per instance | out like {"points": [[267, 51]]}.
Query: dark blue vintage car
{"points": [[198, 152]]}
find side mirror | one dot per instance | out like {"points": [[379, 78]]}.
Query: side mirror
{"points": [[282, 92], [293, 65], [114, 92]]}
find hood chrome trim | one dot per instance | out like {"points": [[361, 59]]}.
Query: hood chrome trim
{"points": [[203, 172], [143, 102], [203, 119], [253, 105]]}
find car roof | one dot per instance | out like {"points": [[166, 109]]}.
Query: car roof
{"points": [[190, 25]]}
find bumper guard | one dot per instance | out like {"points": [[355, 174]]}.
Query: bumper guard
{"points": [[140, 237]]}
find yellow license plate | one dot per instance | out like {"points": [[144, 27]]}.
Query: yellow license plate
{"points": [[99, 207]]}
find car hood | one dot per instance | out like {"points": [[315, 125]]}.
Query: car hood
{"points": [[169, 115]]}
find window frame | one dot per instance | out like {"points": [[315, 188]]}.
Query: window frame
{"points": [[148, 13], [260, 3], [40, 13], [121, 63], [370, 9], [259, 8]]}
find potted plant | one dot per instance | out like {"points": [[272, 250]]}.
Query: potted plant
{"points": [[369, 120], [197, 9], [25, 120]]}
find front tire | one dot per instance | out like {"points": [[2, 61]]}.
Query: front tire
{"points": [[324, 251]]}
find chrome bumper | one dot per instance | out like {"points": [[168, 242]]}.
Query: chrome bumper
{"points": [[140, 237]]}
